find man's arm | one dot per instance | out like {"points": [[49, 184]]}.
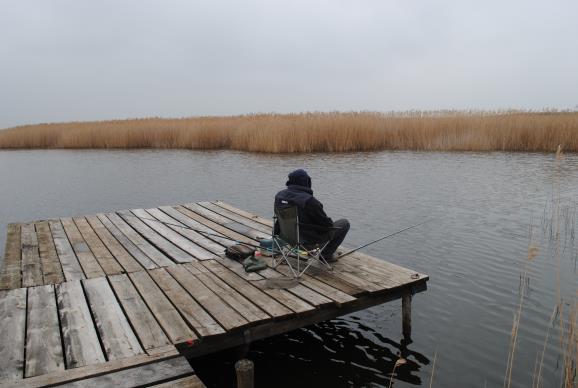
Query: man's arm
{"points": [[317, 214]]}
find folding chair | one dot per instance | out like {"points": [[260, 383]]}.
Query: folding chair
{"points": [[290, 247]]}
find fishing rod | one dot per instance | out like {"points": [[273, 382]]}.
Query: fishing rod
{"points": [[381, 238], [193, 229]]}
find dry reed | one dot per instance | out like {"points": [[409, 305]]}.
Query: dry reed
{"points": [[316, 132]]}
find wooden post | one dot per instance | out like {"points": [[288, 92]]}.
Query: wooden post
{"points": [[245, 373], [406, 315]]}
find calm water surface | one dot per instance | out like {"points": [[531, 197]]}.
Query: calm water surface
{"points": [[475, 250]]}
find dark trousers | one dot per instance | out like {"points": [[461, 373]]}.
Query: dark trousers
{"points": [[338, 237]]}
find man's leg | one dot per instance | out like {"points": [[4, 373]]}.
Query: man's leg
{"points": [[338, 237]]}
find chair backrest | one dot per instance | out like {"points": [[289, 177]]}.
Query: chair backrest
{"points": [[288, 220]]}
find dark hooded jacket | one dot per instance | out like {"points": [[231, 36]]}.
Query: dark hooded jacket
{"points": [[312, 217]]}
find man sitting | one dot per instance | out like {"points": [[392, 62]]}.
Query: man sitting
{"points": [[314, 222]]}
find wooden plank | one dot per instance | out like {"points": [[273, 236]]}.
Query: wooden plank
{"points": [[174, 252], [307, 294], [202, 240], [85, 257], [108, 263], [247, 231], [70, 266], [334, 294], [140, 375], [43, 344], [150, 250], [235, 217], [114, 247], [11, 275], [31, 270], [221, 311], [117, 337], [130, 246], [191, 311], [185, 382], [51, 268], [81, 346], [168, 317], [215, 226], [146, 327], [84, 372], [254, 217], [264, 301], [12, 331], [238, 302], [174, 237], [193, 224]]}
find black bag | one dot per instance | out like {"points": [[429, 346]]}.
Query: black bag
{"points": [[239, 252]]}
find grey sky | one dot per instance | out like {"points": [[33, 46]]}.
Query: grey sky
{"points": [[101, 59]]}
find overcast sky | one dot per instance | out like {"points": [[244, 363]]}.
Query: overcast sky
{"points": [[101, 59]]}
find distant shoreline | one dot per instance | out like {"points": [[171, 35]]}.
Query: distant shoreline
{"points": [[525, 131]]}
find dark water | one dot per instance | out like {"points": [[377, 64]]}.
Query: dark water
{"points": [[475, 250]]}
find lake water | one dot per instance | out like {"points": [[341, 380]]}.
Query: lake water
{"points": [[475, 250]]}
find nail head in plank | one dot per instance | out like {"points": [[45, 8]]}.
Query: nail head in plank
{"points": [[117, 337], [12, 332], [43, 344], [90, 266], [203, 323], [165, 313], [146, 327], [81, 346], [51, 268]]}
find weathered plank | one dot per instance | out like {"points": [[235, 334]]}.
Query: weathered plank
{"points": [[174, 237], [165, 313], [141, 375], [205, 231], [117, 337], [31, 269], [114, 247], [11, 275], [84, 372], [254, 217], [81, 346], [264, 301], [174, 252], [126, 240], [237, 218], [70, 266], [88, 262], [238, 302], [12, 332], [43, 344], [51, 268], [221, 311], [187, 231], [215, 226], [185, 382], [146, 327], [193, 313], [107, 262]]}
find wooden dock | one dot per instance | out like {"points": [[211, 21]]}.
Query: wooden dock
{"points": [[121, 297]]}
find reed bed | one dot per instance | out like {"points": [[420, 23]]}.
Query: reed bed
{"points": [[526, 131]]}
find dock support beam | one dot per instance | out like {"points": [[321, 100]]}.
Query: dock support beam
{"points": [[245, 373], [406, 315]]}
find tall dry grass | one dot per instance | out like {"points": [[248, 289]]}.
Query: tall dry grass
{"points": [[316, 132]]}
